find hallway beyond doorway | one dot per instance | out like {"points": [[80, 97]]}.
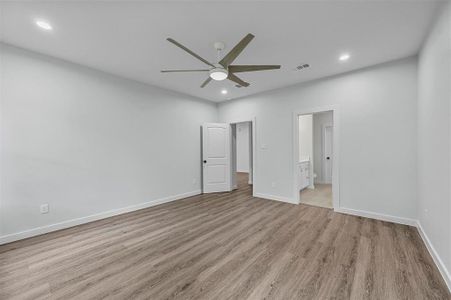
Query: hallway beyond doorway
{"points": [[242, 180]]}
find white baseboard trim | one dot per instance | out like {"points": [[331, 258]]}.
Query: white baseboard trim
{"points": [[276, 198], [438, 262], [377, 216], [74, 222]]}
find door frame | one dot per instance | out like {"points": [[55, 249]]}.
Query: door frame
{"points": [[335, 154], [323, 149], [252, 120]]}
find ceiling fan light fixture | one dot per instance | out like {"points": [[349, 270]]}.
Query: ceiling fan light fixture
{"points": [[218, 74]]}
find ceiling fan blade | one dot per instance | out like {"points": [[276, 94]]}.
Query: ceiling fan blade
{"points": [[206, 82], [252, 68], [189, 51], [236, 79], [232, 55], [175, 71]]}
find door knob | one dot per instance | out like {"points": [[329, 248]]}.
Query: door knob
{"points": [[205, 161], [328, 157]]}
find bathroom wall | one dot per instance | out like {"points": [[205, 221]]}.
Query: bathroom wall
{"points": [[305, 137]]}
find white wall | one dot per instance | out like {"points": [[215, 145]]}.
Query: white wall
{"points": [[434, 138], [305, 137], [377, 113], [242, 147], [86, 142], [319, 120]]}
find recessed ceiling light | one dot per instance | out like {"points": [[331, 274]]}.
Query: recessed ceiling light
{"points": [[44, 24], [344, 57], [224, 92]]}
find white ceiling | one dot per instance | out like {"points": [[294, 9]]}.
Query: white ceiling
{"points": [[129, 38]]}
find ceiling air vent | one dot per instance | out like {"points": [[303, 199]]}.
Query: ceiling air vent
{"points": [[302, 66]]}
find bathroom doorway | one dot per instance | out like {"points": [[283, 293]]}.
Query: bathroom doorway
{"points": [[314, 168]]}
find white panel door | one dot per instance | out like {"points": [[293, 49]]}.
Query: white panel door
{"points": [[328, 153], [216, 158]]}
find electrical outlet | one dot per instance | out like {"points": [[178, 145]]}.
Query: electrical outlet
{"points": [[44, 208], [194, 181], [273, 184]]}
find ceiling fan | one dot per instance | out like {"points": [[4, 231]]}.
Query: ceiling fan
{"points": [[224, 69]]}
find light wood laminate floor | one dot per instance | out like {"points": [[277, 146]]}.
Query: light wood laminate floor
{"points": [[223, 246], [321, 195]]}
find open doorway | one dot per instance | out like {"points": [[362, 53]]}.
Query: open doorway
{"points": [[242, 151], [315, 160]]}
